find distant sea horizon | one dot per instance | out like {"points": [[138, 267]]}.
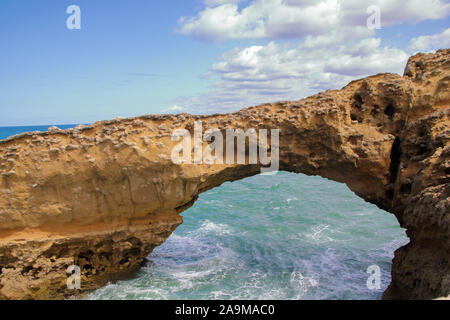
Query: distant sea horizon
{"points": [[9, 131]]}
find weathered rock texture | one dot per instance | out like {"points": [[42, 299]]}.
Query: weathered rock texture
{"points": [[104, 196]]}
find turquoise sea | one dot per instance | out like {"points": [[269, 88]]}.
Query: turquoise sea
{"points": [[6, 132], [283, 236]]}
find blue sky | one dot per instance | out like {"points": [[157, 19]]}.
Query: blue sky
{"points": [[199, 56]]}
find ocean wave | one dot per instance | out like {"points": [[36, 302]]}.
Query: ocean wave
{"points": [[208, 227]]}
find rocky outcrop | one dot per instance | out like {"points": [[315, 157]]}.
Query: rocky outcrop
{"points": [[103, 196]]}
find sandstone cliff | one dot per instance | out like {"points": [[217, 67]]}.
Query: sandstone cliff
{"points": [[104, 196]]}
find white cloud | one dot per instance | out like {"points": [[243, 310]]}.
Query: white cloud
{"points": [[278, 19], [366, 58], [174, 108], [261, 19], [274, 72], [431, 42], [334, 46], [394, 11]]}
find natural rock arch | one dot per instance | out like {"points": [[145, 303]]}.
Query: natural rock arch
{"points": [[104, 196]]}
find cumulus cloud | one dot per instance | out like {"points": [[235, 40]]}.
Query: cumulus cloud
{"points": [[431, 42], [261, 19], [174, 108], [393, 12], [256, 74], [280, 19], [332, 46]]}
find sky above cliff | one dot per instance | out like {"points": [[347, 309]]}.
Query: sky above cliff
{"points": [[198, 56]]}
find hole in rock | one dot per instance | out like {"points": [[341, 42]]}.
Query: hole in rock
{"points": [[389, 111], [396, 154], [358, 101], [406, 188], [283, 236]]}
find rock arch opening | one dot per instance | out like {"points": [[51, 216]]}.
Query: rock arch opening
{"points": [[283, 236]]}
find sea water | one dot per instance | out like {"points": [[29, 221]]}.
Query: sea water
{"points": [[6, 132], [283, 236]]}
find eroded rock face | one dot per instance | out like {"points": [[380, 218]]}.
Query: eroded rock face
{"points": [[104, 196]]}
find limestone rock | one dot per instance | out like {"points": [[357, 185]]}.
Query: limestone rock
{"points": [[101, 197]]}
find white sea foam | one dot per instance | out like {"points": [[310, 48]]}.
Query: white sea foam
{"points": [[320, 234], [208, 227], [291, 199]]}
